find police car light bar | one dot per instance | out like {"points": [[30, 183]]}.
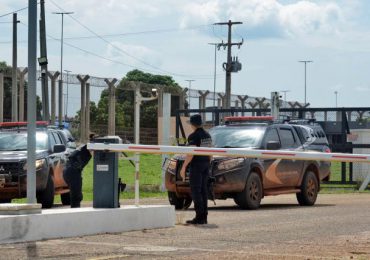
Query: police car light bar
{"points": [[254, 119], [19, 124]]}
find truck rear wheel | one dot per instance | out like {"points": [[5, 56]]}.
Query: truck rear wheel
{"points": [[309, 190], [250, 197]]}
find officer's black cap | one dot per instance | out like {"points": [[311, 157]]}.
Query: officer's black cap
{"points": [[196, 120]]}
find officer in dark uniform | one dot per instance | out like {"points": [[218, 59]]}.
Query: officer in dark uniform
{"points": [[72, 173], [199, 168]]}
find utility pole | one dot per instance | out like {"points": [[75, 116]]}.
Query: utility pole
{"points": [[305, 79], [14, 72], [214, 74], [336, 98], [228, 65], [189, 80], [43, 62], [66, 106], [60, 94], [285, 91]]}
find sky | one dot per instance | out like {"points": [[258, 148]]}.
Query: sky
{"points": [[172, 38]]}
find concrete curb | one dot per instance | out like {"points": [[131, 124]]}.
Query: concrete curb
{"points": [[59, 223]]}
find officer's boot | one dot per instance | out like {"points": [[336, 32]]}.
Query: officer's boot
{"points": [[199, 219]]}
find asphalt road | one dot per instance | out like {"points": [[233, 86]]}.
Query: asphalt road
{"points": [[337, 227]]}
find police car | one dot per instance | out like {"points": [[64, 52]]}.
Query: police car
{"points": [[50, 161], [248, 180]]}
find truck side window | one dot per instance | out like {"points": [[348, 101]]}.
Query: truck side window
{"points": [[51, 140], [57, 138], [287, 138], [272, 135]]}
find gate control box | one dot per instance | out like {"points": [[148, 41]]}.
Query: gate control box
{"points": [[105, 176]]}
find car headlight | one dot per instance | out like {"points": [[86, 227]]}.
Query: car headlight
{"points": [[39, 164]]}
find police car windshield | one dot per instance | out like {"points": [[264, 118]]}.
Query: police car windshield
{"points": [[235, 137], [15, 141]]}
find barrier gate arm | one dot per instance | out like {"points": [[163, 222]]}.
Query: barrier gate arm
{"points": [[235, 152]]}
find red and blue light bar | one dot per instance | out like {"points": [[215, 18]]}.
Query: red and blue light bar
{"points": [[254, 119], [20, 124]]}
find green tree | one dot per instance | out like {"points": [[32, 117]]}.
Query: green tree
{"points": [[125, 99]]}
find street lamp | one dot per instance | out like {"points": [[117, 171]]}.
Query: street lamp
{"points": [[66, 106], [305, 78], [285, 91], [336, 98], [60, 114], [214, 74], [189, 80]]}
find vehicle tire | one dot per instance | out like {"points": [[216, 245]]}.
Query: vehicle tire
{"points": [[46, 197], [250, 197], [5, 201], [309, 190], [65, 198], [175, 201]]}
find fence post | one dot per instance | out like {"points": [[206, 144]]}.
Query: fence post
{"points": [[83, 107], [87, 114], [21, 74], [166, 129], [243, 99], [53, 79], [183, 98], [111, 106], [202, 102]]}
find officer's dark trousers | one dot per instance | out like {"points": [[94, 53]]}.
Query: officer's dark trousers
{"points": [[198, 185], [73, 177]]}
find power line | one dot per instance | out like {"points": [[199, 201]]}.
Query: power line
{"points": [[138, 33], [111, 60], [121, 50], [15, 11], [123, 34]]}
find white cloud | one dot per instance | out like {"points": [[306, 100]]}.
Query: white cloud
{"points": [[362, 89], [269, 17], [200, 13], [125, 52]]}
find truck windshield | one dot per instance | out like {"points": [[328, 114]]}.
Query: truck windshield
{"points": [[14, 141], [235, 137]]}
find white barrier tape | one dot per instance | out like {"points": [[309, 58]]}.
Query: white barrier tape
{"points": [[234, 152]]}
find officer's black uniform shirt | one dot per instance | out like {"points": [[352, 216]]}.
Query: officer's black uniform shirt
{"points": [[200, 138]]}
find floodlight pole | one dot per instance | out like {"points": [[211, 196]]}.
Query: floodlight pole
{"points": [[60, 94], [305, 79], [31, 102]]}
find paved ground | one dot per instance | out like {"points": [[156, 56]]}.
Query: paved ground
{"points": [[338, 227]]}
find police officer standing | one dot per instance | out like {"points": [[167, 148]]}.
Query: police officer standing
{"points": [[199, 168]]}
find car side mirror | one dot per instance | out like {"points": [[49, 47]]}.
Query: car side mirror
{"points": [[59, 148], [273, 145]]}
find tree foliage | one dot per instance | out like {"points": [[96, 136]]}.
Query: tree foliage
{"points": [[125, 99]]}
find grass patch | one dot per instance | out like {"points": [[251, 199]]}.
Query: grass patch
{"points": [[150, 174]]}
